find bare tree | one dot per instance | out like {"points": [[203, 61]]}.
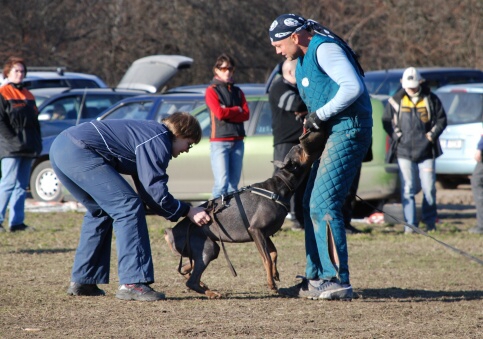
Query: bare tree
{"points": [[105, 37]]}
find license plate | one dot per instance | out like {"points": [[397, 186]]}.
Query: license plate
{"points": [[452, 143]]}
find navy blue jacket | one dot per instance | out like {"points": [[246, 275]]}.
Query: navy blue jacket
{"points": [[139, 148]]}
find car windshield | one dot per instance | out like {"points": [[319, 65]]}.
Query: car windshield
{"points": [[54, 83], [383, 83], [462, 107], [131, 110]]}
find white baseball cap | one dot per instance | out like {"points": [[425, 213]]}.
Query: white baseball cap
{"points": [[411, 78]]}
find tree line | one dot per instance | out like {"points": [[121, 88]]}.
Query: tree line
{"points": [[104, 37]]}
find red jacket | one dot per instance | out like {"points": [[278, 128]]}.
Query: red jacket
{"points": [[224, 102]]}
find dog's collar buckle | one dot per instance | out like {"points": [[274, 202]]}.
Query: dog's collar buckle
{"points": [[270, 195], [274, 196]]}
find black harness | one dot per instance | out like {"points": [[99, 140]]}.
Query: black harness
{"points": [[214, 210]]}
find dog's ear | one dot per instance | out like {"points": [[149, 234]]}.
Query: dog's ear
{"points": [[278, 164]]}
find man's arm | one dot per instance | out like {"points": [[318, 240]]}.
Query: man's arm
{"points": [[333, 60]]}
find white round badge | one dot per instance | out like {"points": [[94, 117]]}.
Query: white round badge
{"points": [[305, 82]]}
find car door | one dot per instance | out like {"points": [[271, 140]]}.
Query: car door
{"points": [[190, 175], [257, 162]]}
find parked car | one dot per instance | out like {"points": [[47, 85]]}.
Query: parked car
{"points": [[190, 175], [44, 185], [247, 88], [145, 75], [49, 77], [42, 94], [73, 106], [388, 81], [464, 108]]}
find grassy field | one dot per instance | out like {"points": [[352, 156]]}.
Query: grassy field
{"points": [[408, 286]]}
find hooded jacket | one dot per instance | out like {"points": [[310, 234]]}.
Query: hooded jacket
{"points": [[408, 124]]}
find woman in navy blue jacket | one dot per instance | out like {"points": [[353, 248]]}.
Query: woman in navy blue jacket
{"points": [[89, 160]]}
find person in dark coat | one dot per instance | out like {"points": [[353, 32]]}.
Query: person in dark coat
{"points": [[89, 159], [415, 118], [228, 111], [288, 112], [20, 143]]}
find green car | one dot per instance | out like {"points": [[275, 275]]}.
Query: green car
{"points": [[191, 178], [190, 175]]}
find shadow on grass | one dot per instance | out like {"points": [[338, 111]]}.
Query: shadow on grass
{"points": [[45, 251], [417, 295]]}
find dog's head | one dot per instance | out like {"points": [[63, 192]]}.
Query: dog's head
{"points": [[313, 143], [297, 161]]}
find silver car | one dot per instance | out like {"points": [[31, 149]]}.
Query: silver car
{"points": [[464, 108]]}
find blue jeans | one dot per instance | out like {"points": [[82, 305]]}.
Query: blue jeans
{"points": [[13, 188], [414, 177], [327, 188], [226, 164], [477, 188], [111, 204]]}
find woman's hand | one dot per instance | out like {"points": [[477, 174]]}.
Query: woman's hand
{"points": [[198, 216]]}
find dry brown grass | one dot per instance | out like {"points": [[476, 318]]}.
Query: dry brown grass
{"points": [[408, 287]]}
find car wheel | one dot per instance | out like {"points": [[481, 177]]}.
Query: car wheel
{"points": [[44, 184], [447, 184]]}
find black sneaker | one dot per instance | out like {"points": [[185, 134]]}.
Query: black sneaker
{"points": [[303, 289], [2, 230], [21, 227], [84, 290], [297, 226], [141, 292], [349, 229]]}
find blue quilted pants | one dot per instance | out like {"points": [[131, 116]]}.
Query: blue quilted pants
{"points": [[329, 182]]}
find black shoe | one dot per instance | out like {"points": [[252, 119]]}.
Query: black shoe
{"points": [[2, 230], [84, 289], [140, 292], [349, 229], [21, 227], [297, 226]]}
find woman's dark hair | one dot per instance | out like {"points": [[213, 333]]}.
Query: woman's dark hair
{"points": [[10, 63], [224, 58], [184, 125]]}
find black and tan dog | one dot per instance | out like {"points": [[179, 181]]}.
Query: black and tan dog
{"points": [[254, 213]]}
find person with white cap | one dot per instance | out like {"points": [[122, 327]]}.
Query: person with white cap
{"points": [[329, 79], [415, 118]]}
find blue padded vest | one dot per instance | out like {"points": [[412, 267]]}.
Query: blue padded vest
{"points": [[317, 88]]}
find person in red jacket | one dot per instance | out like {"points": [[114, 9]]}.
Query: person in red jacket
{"points": [[228, 110], [20, 143]]}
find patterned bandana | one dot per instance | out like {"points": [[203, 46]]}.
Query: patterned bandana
{"points": [[285, 25]]}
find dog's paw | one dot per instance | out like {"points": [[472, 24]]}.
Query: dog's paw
{"points": [[213, 295]]}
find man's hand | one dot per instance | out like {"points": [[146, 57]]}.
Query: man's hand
{"points": [[198, 216], [299, 116], [478, 155], [313, 122]]}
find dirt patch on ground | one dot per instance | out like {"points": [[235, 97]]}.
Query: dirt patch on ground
{"points": [[407, 286]]}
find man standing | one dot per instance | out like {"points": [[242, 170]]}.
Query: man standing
{"points": [[288, 112], [329, 79], [415, 118], [477, 188]]}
